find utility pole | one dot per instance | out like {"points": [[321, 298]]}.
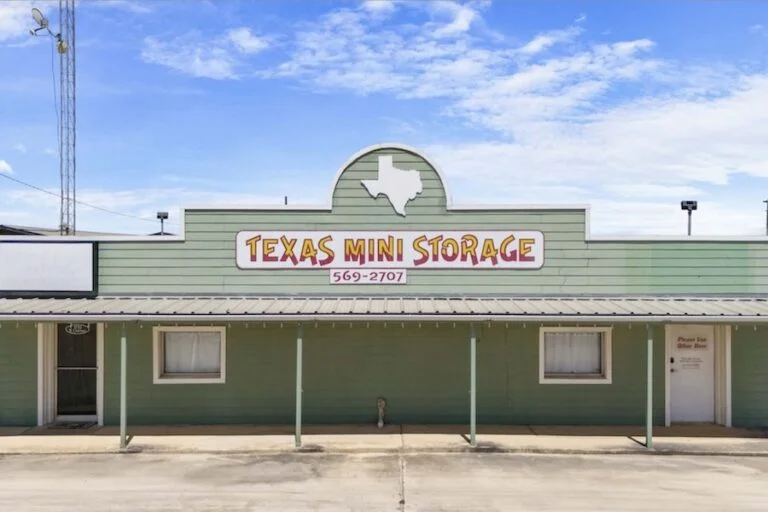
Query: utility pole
{"points": [[66, 122]]}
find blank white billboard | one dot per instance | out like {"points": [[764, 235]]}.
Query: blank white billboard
{"points": [[46, 267]]}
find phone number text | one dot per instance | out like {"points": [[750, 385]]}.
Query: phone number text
{"points": [[344, 276]]}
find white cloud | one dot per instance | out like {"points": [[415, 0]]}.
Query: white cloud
{"points": [[134, 6], [756, 28], [546, 40], [21, 148], [245, 41], [5, 167], [50, 152], [189, 56], [594, 120], [639, 190], [383, 7], [218, 58], [462, 16]]}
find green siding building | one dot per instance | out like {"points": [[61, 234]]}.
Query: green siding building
{"points": [[389, 304]]}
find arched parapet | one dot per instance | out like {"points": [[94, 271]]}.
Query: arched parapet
{"points": [[390, 179]]}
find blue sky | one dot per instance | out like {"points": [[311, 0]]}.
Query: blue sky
{"points": [[627, 106]]}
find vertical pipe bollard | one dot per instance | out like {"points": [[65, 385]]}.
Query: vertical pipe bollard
{"points": [[649, 393], [123, 395], [472, 386], [299, 350]]}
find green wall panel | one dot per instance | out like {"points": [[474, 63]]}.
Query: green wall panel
{"points": [[18, 374], [749, 376], [423, 372], [259, 388], [509, 389]]}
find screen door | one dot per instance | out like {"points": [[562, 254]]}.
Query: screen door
{"points": [[76, 370]]}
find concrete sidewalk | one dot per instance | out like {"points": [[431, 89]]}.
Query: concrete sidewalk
{"points": [[699, 440]]}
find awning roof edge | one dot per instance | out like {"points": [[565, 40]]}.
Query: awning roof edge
{"points": [[648, 318], [401, 309]]}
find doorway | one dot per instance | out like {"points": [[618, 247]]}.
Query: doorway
{"points": [[698, 374], [71, 378], [76, 367]]}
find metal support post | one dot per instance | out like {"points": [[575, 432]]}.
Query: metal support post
{"points": [[472, 386], [649, 393], [123, 396], [299, 391]]}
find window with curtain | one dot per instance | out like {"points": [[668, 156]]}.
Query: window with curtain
{"points": [[187, 355], [574, 354]]}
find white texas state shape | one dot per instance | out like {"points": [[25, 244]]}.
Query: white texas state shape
{"points": [[398, 185]]}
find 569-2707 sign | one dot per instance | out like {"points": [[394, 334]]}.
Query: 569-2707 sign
{"points": [[368, 276]]}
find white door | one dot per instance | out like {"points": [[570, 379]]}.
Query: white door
{"points": [[692, 365]]}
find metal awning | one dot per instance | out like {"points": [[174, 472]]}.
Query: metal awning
{"points": [[512, 308]]}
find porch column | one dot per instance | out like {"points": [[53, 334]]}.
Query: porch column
{"points": [[472, 386], [123, 402], [299, 391], [649, 393]]}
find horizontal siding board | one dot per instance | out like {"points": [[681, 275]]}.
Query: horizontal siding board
{"points": [[470, 219], [749, 377], [441, 274], [18, 374], [595, 288]]}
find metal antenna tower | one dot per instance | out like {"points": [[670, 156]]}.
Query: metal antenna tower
{"points": [[67, 133]]}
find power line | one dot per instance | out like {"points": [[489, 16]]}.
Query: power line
{"points": [[54, 194]]}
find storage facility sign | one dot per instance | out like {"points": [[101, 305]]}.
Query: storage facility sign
{"points": [[357, 250]]}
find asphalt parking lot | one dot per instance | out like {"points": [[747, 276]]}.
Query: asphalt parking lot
{"points": [[414, 482]]}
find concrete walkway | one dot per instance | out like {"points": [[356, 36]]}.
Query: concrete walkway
{"points": [[698, 440]]}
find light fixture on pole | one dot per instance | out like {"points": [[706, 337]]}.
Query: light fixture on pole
{"points": [[162, 216], [689, 206], [42, 22]]}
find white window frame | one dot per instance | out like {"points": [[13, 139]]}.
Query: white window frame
{"points": [[158, 363], [607, 358]]}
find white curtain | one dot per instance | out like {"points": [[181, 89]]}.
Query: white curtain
{"points": [[192, 352], [572, 352]]}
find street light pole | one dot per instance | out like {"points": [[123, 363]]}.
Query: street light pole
{"points": [[162, 216], [689, 206]]}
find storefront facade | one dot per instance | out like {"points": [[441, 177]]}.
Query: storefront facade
{"points": [[450, 314]]}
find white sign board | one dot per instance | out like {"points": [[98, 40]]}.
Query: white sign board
{"points": [[389, 249], [46, 267]]}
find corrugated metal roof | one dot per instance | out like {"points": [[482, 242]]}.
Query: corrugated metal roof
{"points": [[303, 308]]}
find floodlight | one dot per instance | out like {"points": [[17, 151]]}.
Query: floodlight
{"points": [[41, 20], [689, 206]]}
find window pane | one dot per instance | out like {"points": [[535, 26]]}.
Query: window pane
{"points": [[573, 352], [192, 352]]}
